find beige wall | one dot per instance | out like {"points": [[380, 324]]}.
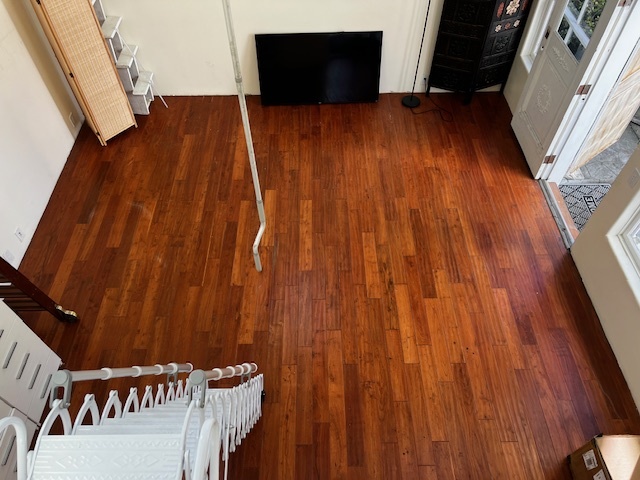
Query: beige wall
{"points": [[26, 25], [35, 139], [185, 42], [609, 276]]}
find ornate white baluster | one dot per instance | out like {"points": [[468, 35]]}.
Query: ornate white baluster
{"points": [[160, 397], [89, 406], [113, 404], [147, 398], [131, 402], [171, 392]]}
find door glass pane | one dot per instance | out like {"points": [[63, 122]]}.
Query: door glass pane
{"points": [[575, 46], [563, 28], [575, 6], [578, 23], [591, 16]]}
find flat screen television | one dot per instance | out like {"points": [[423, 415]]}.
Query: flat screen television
{"points": [[311, 68]]}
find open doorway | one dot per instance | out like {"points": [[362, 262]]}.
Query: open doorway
{"points": [[580, 93], [591, 163], [583, 188]]}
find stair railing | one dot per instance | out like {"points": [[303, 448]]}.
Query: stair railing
{"points": [[210, 429], [63, 379], [199, 379], [20, 294]]}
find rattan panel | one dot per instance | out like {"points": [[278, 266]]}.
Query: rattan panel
{"points": [[75, 29]]}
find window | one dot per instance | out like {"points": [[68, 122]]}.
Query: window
{"points": [[535, 29], [578, 22], [630, 237]]}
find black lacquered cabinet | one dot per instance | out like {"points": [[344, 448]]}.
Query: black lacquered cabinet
{"points": [[476, 43]]}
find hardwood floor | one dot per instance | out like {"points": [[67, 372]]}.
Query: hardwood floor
{"points": [[418, 316]]}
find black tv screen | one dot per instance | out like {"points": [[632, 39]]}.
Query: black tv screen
{"points": [[311, 68]]}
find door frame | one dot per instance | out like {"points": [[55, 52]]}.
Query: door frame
{"points": [[617, 45]]}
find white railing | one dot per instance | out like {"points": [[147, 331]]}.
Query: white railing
{"points": [[203, 431], [63, 379]]}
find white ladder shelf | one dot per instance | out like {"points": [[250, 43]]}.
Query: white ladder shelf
{"points": [[138, 84]]}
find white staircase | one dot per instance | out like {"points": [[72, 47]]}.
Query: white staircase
{"points": [[178, 434], [138, 84]]}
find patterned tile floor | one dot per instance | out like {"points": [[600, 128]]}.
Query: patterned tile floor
{"points": [[584, 189]]}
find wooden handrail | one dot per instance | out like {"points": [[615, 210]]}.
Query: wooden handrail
{"points": [[20, 294]]}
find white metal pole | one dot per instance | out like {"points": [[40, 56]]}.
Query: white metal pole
{"points": [[247, 130]]}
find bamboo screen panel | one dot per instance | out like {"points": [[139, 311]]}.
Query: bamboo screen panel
{"points": [[79, 37]]}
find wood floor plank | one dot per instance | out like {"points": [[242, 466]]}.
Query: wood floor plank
{"points": [[420, 416], [306, 235], [439, 417], [396, 365], [287, 405], [338, 436], [417, 315], [355, 420], [372, 272], [406, 324], [304, 397]]}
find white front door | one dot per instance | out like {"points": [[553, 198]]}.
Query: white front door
{"points": [[578, 32], [618, 110]]}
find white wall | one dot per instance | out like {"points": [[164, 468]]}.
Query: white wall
{"points": [[609, 276], [35, 141], [185, 42]]}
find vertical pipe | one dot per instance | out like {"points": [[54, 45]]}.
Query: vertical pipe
{"points": [[247, 130]]}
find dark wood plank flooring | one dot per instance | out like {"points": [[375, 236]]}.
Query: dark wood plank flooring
{"points": [[417, 317]]}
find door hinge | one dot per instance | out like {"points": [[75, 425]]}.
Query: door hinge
{"points": [[625, 3], [583, 89], [549, 159], [546, 34]]}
